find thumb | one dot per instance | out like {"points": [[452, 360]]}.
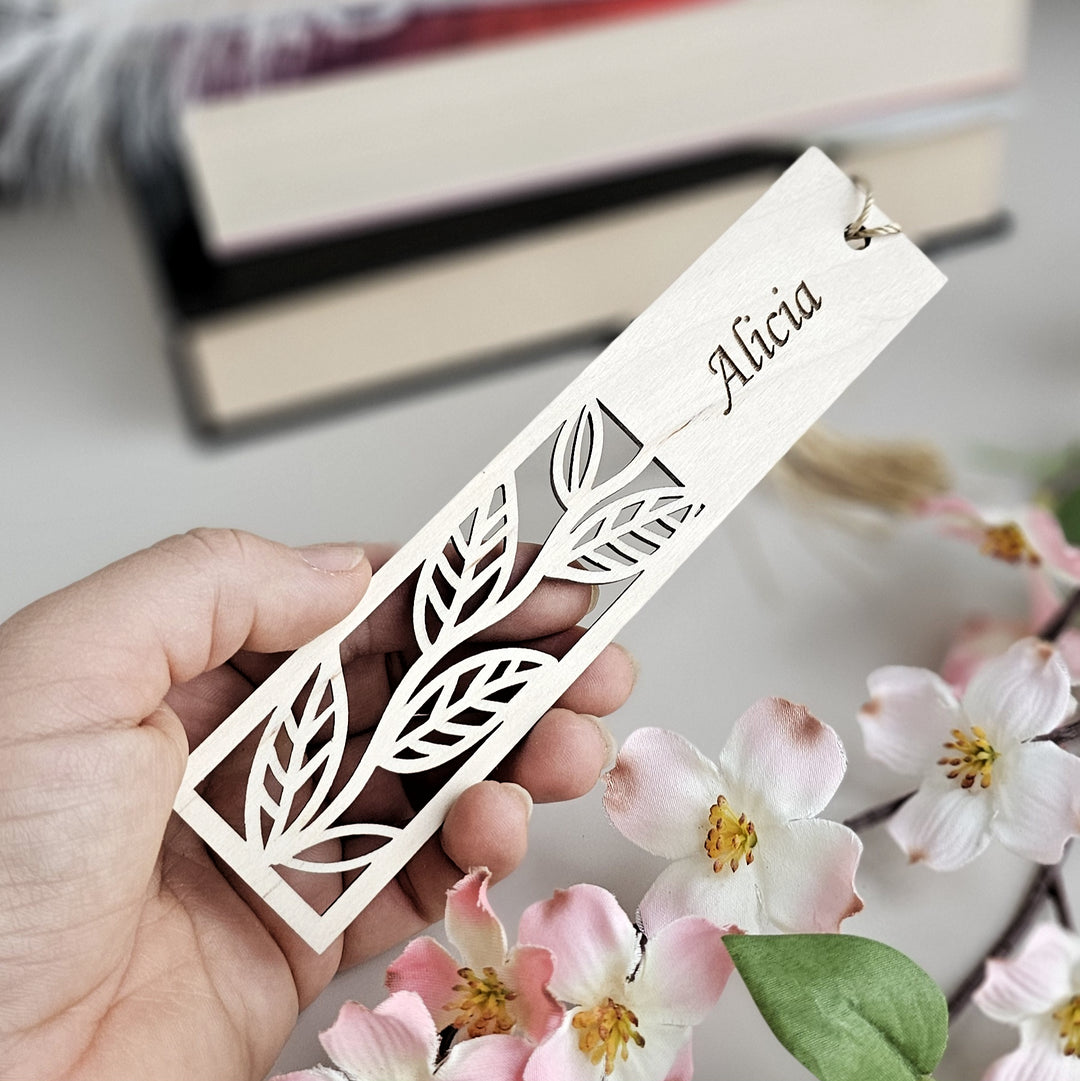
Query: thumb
{"points": [[107, 649]]}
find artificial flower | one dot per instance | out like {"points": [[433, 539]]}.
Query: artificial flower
{"points": [[983, 773], [746, 846], [1038, 991], [492, 989], [397, 1041], [983, 636], [1029, 535], [631, 1007]]}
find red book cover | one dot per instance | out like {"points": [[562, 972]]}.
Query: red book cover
{"points": [[359, 42]]}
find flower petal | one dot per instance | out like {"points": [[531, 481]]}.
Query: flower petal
{"points": [[783, 754], [1038, 800], [316, 1073], [1069, 646], [471, 926], [560, 1057], [663, 1043], [493, 1058], [660, 791], [683, 1067], [396, 1041], [959, 517], [1061, 558], [807, 875], [1044, 601], [685, 969], [593, 944], [1022, 693], [1034, 980], [690, 887], [528, 975], [1034, 1062], [978, 639], [909, 716], [943, 825], [426, 968]]}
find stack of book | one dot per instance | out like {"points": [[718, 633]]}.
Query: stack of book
{"points": [[482, 183]]}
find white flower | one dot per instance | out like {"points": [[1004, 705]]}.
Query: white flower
{"points": [[982, 774], [630, 1009], [397, 1041], [492, 988], [1039, 991], [1026, 536], [746, 846]]}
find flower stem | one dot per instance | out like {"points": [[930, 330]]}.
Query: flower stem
{"points": [[1061, 619], [1065, 734], [1039, 890], [873, 815]]}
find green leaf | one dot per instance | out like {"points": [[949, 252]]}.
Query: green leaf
{"points": [[1068, 514], [847, 1008]]}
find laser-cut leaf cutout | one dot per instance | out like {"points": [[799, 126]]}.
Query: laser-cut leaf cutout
{"points": [[343, 833], [471, 572], [575, 459], [448, 706], [656, 395], [614, 541], [293, 806]]}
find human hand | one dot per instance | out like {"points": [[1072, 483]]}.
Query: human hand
{"points": [[126, 951]]}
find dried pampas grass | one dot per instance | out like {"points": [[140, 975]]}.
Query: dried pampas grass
{"points": [[78, 77], [832, 472]]}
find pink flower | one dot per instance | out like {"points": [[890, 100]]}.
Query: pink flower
{"points": [[631, 1007], [982, 774], [1039, 991], [983, 637], [495, 990], [397, 1041], [746, 846], [1030, 535]]}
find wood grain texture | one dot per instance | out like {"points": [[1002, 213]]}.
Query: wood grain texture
{"points": [[648, 450]]}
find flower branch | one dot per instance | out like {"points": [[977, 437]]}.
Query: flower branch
{"points": [[878, 813], [1046, 885], [1061, 620], [1055, 893]]}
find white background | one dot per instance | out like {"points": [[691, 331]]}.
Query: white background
{"points": [[96, 461]]}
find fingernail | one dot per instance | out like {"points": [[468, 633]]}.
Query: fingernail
{"points": [[609, 742], [523, 795], [332, 557], [635, 666], [594, 600]]}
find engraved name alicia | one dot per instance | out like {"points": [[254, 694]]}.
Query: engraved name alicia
{"points": [[754, 350]]}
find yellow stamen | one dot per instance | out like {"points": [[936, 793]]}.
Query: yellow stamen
{"points": [[1069, 1019], [974, 758], [1010, 543], [731, 838], [482, 1008], [607, 1032]]}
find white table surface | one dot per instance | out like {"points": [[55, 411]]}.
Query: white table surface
{"points": [[97, 461]]}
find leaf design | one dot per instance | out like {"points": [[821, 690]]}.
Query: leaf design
{"points": [[471, 572], [461, 706], [615, 540], [326, 701], [575, 458], [342, 833]]}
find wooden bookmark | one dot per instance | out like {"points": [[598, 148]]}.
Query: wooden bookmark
{"points": [[620, 478]]}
